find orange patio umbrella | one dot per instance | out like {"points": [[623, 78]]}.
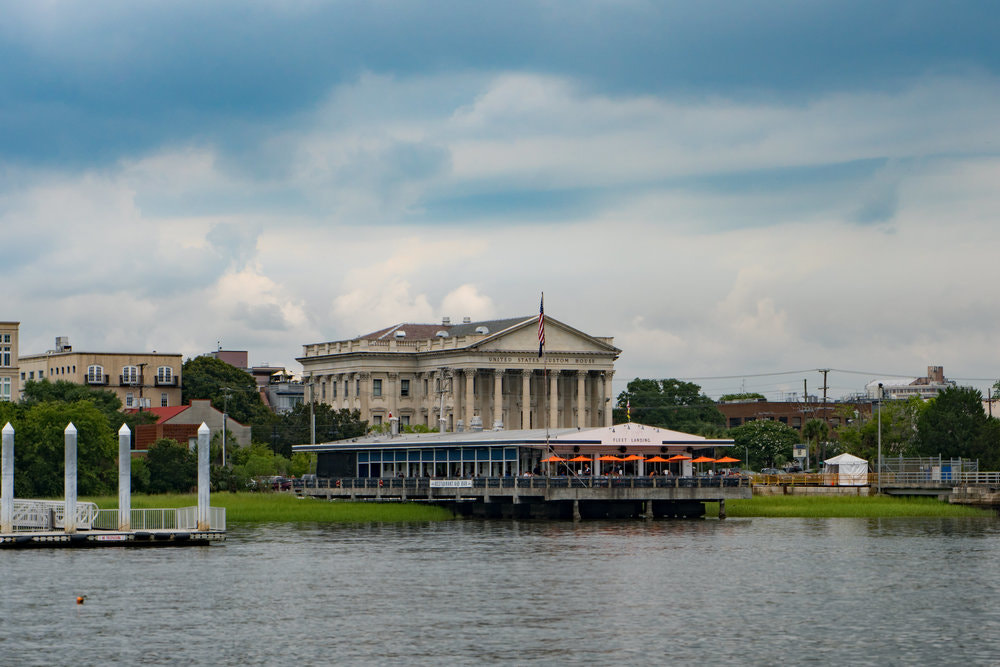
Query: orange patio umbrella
{"points": [[727, 459], [657, 459], [554, 459], [703, 459], [580, 459], [634, 457], [609, 457], [679, 457]]}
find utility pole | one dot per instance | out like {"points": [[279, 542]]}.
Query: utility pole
{"points": [[142, 381], [879, 475], [225, 414], [826, 419]]}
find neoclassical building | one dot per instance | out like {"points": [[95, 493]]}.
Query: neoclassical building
{"points": [[470, 375]]}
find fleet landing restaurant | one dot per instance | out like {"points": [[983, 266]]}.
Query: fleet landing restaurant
{"points": [[510, 453]]}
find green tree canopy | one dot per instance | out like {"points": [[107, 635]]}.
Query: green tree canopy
{"points": [[61, 391], [39, 450], [670, 403], [293, 427], [954, 425], [768, 442], [899, 430], [208, 377], [745, 396], [173, 468]]}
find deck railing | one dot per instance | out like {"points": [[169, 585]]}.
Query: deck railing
{"points": [[35, 515], [173, 518], [534, 482]]}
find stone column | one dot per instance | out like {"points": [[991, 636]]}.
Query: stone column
{"points": [[608, 397], [553, 399], [470, 395], [69, 499], [498, 419], [581, 399], [526, 398], [393, 386]]}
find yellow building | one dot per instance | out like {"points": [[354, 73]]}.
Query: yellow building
{"points": [[9, 385], [469, 376], [139, 379]]}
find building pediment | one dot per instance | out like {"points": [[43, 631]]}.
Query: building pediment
{"points": [[559, 338]]}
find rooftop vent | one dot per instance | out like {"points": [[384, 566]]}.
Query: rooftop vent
{"points": [[446, 321], [466, 320], [62, 344], [400, 334], [482, 330], [442, 334]]}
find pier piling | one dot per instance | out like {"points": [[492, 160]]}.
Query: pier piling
{"points": [[69, 513], [124, 478], [203, 476], [7, 484]]}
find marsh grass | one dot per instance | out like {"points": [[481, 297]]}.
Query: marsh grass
{"points": [[284, 507], [842, 506]]}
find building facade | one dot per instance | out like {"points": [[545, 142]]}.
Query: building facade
{"points": [[925, 387], [140, 379], [467, 376], [9, 370], [181, 423]]}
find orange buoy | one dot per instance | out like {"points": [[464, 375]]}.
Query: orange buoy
{"points": [[80, 599]]}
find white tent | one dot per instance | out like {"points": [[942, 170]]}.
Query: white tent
{"points": [[850, 470]]}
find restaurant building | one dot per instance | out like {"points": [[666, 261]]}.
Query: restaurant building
{"points": [[512, 453]]}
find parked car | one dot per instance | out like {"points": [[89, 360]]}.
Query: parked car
{"points": [[771, 471], [281, 483]]}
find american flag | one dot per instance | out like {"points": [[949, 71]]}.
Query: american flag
{"points": [[541, 324]]}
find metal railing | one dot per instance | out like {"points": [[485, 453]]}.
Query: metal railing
{"points": [[173, 518], [36, 515], [534, 482]]}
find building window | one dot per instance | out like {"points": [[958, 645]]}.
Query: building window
{"points": [[322, 391], [95, 374], [333, 387], [404, 388], [357, 387], [347, 389], [31, 375], [377, 387], [130, 375], [783, 420], [5, 355], [41, 374], [404, 420], [425, 386], [6, 338], [164, 374], [378, 420], [163, 400], [5, 389], [129, 400]]}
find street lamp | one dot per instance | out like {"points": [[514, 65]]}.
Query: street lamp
{"points": [[879, 474]]}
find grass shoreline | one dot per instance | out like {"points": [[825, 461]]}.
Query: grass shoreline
{"points": [[287, 508]]}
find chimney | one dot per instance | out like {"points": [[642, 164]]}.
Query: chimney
{"points": [[466, 320], [936, 374], [445, 321]]}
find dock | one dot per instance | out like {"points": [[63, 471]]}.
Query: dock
{"points": [[544, 497]]}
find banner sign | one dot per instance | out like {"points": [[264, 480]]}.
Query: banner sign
{"points": [[451, 483]]}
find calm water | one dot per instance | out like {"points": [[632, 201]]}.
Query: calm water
{"points": [[889, 591]]}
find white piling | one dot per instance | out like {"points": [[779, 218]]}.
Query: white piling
{"points": [[7, 484], [204, 481], [124, 478], [69, 513]]}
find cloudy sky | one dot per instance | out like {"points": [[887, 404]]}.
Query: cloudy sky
{"points": [[730, 189]]}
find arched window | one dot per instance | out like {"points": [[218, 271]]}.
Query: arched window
{"points": [[165, 375], [95, 374], [130, 375]]}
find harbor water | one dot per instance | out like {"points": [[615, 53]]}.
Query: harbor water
{"points": [[739, 591]]}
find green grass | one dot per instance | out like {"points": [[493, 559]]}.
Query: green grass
{"points": [[842, 506], [283, 507]]}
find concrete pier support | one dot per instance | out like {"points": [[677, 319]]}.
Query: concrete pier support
{"points": [[69, 513], [124, 478], [204, 482], [7, 483], [576, 510], [722, 508], [648, 512]]}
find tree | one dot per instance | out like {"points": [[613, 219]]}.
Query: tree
{"points": [[670, 403], [173, 468], [745, 396], [814, 431], [294, 427], [39, 450], [211, 378], [954, 425], [899, 430], [61, 391], [768, 442]]}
